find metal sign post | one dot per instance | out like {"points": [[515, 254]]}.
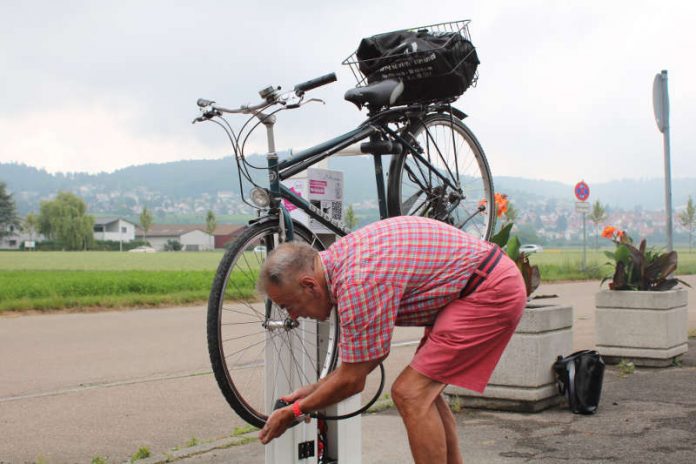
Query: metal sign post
{"points": [[582, 193], [294, 445], [341, 439], [661, 109]]}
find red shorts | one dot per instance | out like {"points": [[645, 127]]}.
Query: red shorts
{"points": [[469, 335]]}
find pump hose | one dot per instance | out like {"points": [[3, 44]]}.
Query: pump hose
{"points": [[318, 415]]}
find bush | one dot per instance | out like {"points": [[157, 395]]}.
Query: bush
{"points": [[47, 245], [113, 245], [97, 245], [172, 245]]}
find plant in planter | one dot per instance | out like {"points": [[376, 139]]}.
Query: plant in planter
{"points": [[642, 318], [511, 246], [639, 268]]}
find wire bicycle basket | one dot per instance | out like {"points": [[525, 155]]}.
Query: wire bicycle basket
{"points": [[437, 62]]}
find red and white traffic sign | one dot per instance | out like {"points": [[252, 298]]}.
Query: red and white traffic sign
{"points": [[582, 191]]}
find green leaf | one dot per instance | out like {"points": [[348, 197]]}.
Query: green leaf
{"points": [[513, 248], [610, 255], [623, 254], [501, 238]]}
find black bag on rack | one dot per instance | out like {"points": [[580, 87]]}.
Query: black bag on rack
{"points": [[432, 65], [579, 377]]}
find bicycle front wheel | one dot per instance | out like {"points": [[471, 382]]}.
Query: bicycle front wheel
{"points": [[257, 352], [449, 181]]}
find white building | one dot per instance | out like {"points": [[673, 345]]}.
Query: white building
{"points": [[116, 229], [16, 237], [191, 237], [12, 240]]}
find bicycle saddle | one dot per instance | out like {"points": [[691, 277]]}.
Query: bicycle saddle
{"points": [[377, 94]]}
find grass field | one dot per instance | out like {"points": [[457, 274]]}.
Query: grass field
{"points": [[108, 261], [559, 264], [58, 280]]}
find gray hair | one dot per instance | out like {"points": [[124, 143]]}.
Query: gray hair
{"points": [[285, 264]]}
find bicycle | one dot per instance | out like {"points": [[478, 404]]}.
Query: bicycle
{"points": [[437, 169]]}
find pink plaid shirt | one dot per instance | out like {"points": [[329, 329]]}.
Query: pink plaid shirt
{"points": [[399, 271]]}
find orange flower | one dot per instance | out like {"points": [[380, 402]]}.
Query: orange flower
{"points": [[609, 231], [620, 235], [501, 204]]}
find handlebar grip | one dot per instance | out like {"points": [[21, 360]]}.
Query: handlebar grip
{"points": [[314, 83], [202, 102]]}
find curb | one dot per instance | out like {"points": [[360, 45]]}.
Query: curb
{"points": [[222, 443], [229, 442]]}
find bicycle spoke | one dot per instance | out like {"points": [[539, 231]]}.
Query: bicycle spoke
{"points": [[242, 323], [441, 156], [297, 363], [237, 311], [282, 364], [438, 182], [302, 344], [242, 336], [243, 349]]}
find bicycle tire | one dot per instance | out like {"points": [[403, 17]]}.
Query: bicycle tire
{"points": [[453, 150], [253, 364]]}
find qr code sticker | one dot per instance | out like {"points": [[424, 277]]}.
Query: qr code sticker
{"points": [[337, 210]]}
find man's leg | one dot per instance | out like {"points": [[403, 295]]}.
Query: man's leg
{"points": [[415, 396], [454, 456]]}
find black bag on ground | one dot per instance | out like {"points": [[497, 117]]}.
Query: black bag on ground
{"points": [[579, 377], [432, 65]]}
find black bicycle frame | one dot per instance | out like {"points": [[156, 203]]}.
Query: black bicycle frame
{"points": [[279, 171], [372, 128]]}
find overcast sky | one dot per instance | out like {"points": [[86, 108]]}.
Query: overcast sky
{"points": [[564, 91]]}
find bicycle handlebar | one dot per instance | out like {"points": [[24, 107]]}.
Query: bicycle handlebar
{"points": [[211, 109], [314, 83], [202, 102]]}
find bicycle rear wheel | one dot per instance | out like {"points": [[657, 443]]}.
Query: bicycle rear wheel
{"points": [[257, 352], [449, 181]]}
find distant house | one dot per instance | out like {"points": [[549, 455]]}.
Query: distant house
{"points": [[16, 237], [192, 237], [116, 229], [12, 240], [225, 233]]}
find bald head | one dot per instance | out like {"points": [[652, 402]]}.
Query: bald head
{"points": [[286, 264]]}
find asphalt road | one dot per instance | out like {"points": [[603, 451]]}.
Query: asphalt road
{"points": [[76, 386]]}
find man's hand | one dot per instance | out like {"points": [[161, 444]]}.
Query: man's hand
{"points": [[277, 424], [300, 393]]}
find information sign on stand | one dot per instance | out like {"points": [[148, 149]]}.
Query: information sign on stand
{"points": [[582, 193], [582, 207]]}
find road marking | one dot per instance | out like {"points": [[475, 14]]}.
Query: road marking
{"points": [[93, 386], [120, 383]]}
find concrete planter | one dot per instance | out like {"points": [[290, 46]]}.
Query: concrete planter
{"points": [[647, 328], [523, 380]]}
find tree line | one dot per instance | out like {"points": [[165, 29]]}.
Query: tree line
{"points": [[65, 220], [685, 218]]}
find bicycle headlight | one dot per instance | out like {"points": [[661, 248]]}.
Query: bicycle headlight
{"points": [[260, 197]]}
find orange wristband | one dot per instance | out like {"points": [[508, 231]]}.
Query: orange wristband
{"points": [[296, 410]]}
